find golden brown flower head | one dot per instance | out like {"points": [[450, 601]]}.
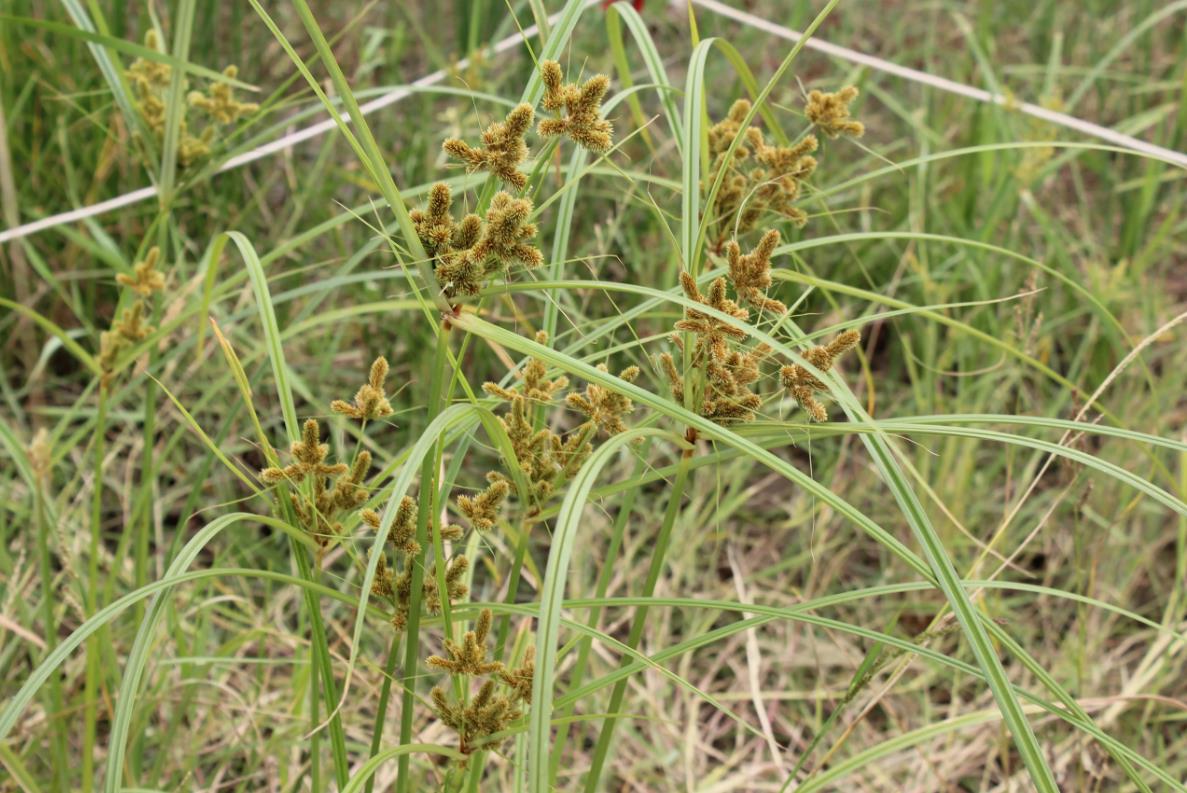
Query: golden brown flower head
{"points": [[604, 407], [455, 587], [751, 273], [505, 238], [582, 106], [309, 455], [144, 280], [434, 224], [469, 657], [482, 510], [758, 179], [804, 385], [370, 401], [150, 74], [468, 253], [519, 679], [830, 112], [221, 104], [536, 385], [128, 330], [712, 333], [503, 148]]}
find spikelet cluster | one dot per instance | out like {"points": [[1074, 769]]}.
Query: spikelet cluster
{"points": [[393, 579], [220, 103], [501, 691], [150, 82], [482, 510], [132, 326], [370, 401], [334, 488], [468, 252], [603, 407], [546, 457], [729, 368], [759, 178], [503, 148], [751, 273], [829, 112], [803, 385], [578, 109]]}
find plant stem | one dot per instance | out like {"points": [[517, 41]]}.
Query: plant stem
{"points": [[91, 683], [653, 574], [385, 692], [427, 498], [144, 518], [54, 710]]}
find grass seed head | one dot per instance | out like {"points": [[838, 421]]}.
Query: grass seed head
{"points": [[482, 510], [803, 385], [370, 401], [829, 112], [503, 148], [751, 273], [582, 105]]}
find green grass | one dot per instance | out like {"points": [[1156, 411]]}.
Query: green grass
{"points": [[974, 577]]}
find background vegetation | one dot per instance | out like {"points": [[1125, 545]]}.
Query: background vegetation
{"points": [[1002, 272]]}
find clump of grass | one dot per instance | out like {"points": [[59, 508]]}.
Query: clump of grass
{"points": [[467, 686]]}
